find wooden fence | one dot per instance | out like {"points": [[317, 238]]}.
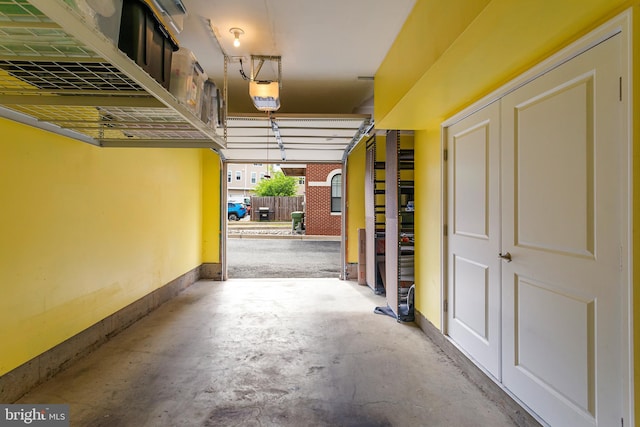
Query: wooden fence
{"points": [[280, 207]]}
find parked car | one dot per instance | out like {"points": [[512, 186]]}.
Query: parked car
{"points": [[241, 199], [236, 211]]}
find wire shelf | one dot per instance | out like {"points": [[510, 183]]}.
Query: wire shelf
{"points": [[48, 74], [149, 123], [41, 42], [20, 11], [69, 75]]}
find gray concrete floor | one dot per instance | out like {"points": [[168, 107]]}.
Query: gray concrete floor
{"points": [[273, 257], [269, 352]]}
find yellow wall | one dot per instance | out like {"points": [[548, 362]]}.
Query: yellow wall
{"points": [[452, 52], [443, 62], [428, 32], [355, 199], [86, 231], [211, 225], [428, 192]]}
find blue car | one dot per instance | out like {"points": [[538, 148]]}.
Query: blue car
{"points": [[236, 211]]}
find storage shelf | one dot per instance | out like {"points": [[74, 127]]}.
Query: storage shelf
{"points": [[90, 88]]}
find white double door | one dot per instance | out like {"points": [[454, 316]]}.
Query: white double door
{"points": [[535, 212]]}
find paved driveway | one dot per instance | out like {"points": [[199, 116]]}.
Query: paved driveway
{"points": [[294, 258]]}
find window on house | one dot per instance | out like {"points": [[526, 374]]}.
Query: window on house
{"points": [[336, 193], [229, 176], [301, 180], [254, 177], [261, 176], [238, 175]]}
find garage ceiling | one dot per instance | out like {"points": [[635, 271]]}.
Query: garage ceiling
{"points": [[329, 50]]}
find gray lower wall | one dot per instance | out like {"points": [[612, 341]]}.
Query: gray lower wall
{"points": [[351, 271], [211, 271], [492, 390], [19, 381]]}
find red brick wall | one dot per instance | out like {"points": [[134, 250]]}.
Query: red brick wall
{"points": [[318, 218]]}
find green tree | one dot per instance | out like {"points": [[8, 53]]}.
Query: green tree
{"points": [[277, 185]]}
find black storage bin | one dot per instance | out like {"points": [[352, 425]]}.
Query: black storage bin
{"points": [[144, 39]]}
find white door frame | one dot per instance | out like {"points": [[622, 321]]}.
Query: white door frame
{"points": [[224, 195], [622, 25]]}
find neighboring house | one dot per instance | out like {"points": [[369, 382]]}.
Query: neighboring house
{"points": [[297, 171], [243, 177], [323, 212]]}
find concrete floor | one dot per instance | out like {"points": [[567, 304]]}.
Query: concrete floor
{"points": [[269, 352], [266, 258]]}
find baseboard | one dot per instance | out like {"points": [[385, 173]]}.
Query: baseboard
{"points": [[210, 270], [20, 380], [351, 271], [493, 391]]}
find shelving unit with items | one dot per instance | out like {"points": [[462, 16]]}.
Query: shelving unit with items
{"points": [[375, 214], [399, 221], [62, 69]]}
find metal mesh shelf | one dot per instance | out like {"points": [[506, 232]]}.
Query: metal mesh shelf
{"points": [[78, 76], [47, 74], [20, 11], [40, 42]]}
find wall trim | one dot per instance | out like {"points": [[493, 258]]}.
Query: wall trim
{"points": [[17, 382], [478, 377], [326, 182]]}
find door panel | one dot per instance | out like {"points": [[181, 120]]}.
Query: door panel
{"points": [[561, 223], [473, 318], [546, 345], [470, 296], [561, 145]]}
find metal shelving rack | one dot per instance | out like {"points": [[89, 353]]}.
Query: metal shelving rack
{"points": [[406, 259], [399, 242], [58, 73], [375, 226]]}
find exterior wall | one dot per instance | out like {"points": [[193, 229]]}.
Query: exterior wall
{"points": [[87, 231], [244, 186], [319, 219]]}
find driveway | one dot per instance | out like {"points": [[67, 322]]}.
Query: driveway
{"points": [[282, 258]]}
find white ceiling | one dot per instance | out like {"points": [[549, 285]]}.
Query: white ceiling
{"points": [[327, 47]]}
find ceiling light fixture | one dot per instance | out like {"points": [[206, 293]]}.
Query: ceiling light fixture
{"points": [[237, 32]]}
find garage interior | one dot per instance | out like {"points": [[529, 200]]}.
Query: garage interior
{"points": [[114, 267]]}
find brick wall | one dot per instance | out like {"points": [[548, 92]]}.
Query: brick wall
{"points": [[318, 217]]}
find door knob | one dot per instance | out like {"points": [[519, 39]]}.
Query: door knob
{"points": [[506, 256]]}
